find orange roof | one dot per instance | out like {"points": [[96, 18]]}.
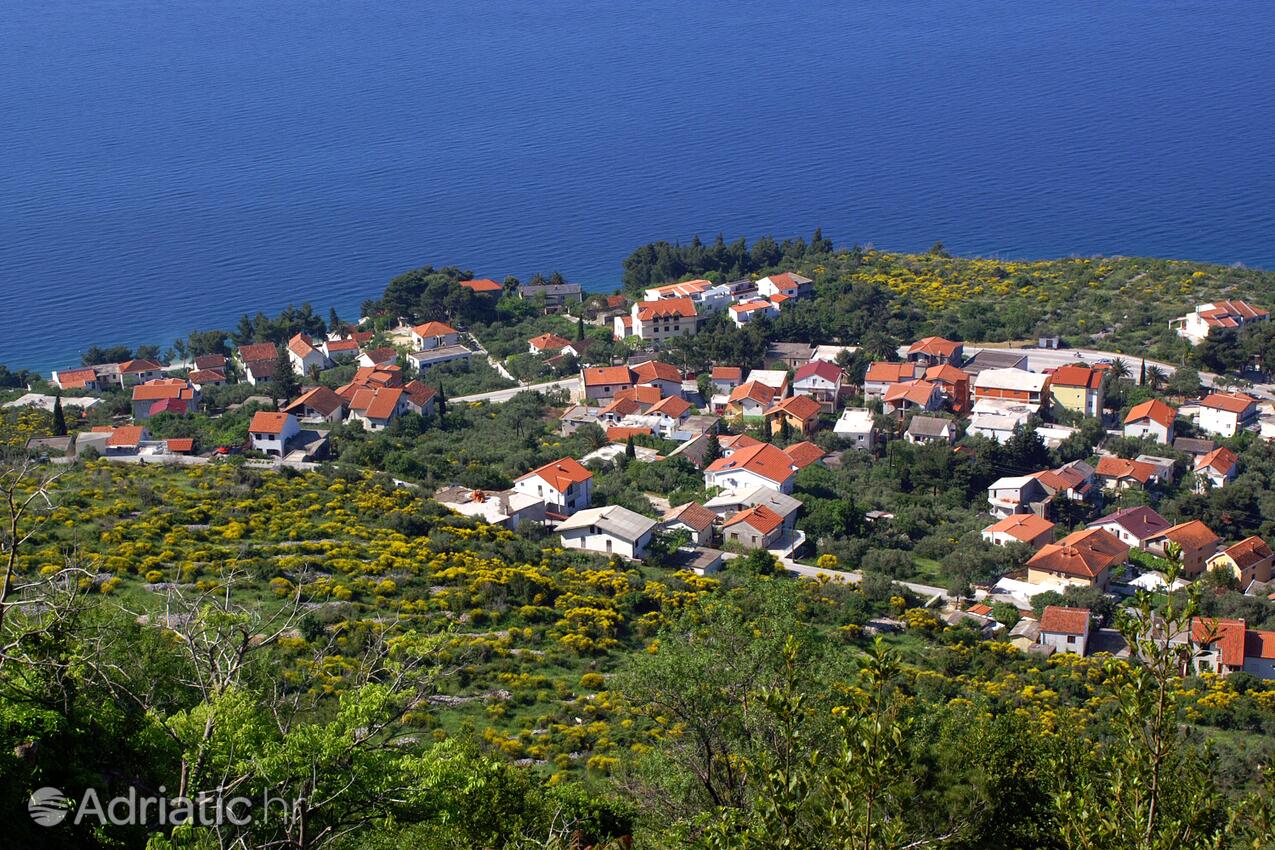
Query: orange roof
{"points": [[946, 373], [384, 402], [561, 474], [666, 308], [1221, 460], [301, 345], [1259, 643], [1191, 534], [433, 329], [76, 378], [256, 351], [785, 282], [206, 376], [673, 406], [619, 434], [759, 517], [482, 284], [1228, 635], [599, 375], [1059, 620], [693, 514], [1085, 554], [884, 372], [126, 437], [1119, 468], [934, 346], [725, 373], [1230, 314], [341, 345], [917, 392], [1022, 527], [762, 459], [1153, 409], [265, 422], [804, 453], [688, 287], [320, 398], [1076, 376], [642, 395], [180, 445], [755, 390], [981, 609], [738, 441], [418, 392], [162, 389], [750, 306], [1230, 402], [142, 365], [622, 405], [656, 370], [1249, 551], [802, 407], [549, 342]]}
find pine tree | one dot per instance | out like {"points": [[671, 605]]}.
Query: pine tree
{"points": [[334, 321], [59, 418]]}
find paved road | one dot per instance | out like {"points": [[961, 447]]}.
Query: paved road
{"points": [[925, 591], [500, 396]]}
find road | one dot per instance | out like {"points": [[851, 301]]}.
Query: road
{"points": [[501, 396], [925, 591]]}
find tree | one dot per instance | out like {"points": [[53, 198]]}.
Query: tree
{"points": [[712, 448], [580, 328], [630, 451], [285, 383], [1154, 377], [59, 418], [441, 401], [1120, 368]]}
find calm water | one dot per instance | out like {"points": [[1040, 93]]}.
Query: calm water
{"points": [[169, 165]]}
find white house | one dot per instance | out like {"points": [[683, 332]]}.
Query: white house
{"points": [[748, 311], [693, 518], [1152, 418], [434, 335], [613, 530], [1217, 468], [1014, 495], [601, 383], [787, 284], [930, 429], [665, 377], [857, 425], [822, 381], [1015, 385], [377, 407], [320, 404], [425, 360], [1226, 414], [761, 465], [1205, 319], [270, 432], [305, 357], [1133, 526], [1065, 629], [668, 318], [565, 485]]}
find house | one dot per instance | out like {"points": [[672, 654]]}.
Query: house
{"points": [[1165, 467], [1054, 435], [990, 358], [804, 454], [762, 465], [858, 425], [550, 344], [1119, 474], [665, 377], [750, 400], [693, 518], [998, 426], [1033, 530], [375, 358], [911, 396], [483, 286], [1082, 557], [801, 413], [271, 432], [731, 502], [1219, 645], [434, 335], [318, 404], [613, 529], [507, 508], [669, 414], [882, 375], [603, 382], [377, 407], [726, 378], [1026, 388], [1078, 389], [777, 379], [1018, 494], [1249, 560], [305, 356], [557, 296], [423, 361], [1226, 414], [1152, 418], [180, 445], [1065, 629], [685, 289], [788, 284], [565, 486], [930, 429], [749, 311], [46, 448], [821, 381], [201, 378], [1218, 316], [1075, 480], [793, 355], [133, 372], [77, 379], [163, 395], [341, 350], [1216, 468], [756, 527], [126, 440], [935, 350], [1194, 447], [256, 352], [1195, 541], [654, 321], [954, 384], [1133, 526]]}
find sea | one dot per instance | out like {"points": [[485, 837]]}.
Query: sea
{"points": [[166, 165]]}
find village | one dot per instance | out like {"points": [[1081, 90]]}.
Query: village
{"points": [[752, 431]]}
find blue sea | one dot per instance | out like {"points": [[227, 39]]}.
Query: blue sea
{"points": [[166, 166]]}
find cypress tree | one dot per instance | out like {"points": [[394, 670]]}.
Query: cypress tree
{"points": [[59, 418], [630, 450], [712, 449], [441, 402]]}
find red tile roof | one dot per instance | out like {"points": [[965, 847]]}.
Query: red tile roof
{"points": [[620, 434], [1076, 376], [1141, 521], [266, 422], [1153, 409], [883, 372], [762, 459], [1249, 551], [301, 345], [180, 445], [946, 373], [801, 407], [322, 399], [666, 308], [163, 388], [211, 361], [126, 437], [656, 370], [934, 346], [141, 365], [1059, 620], [549, 342], [1231, 314], [819, 368], [1228, 635], [1192, 534], [561, 474], [1230, 402], [1022, 527], [674, 406], [596, 376], [726, 373], [1221, 460], [168, 405], [755, 390], [804, 453], [258, 351], [74, 379], [759, 517], [643, 394], [1259, 643], [1084, 554], [482, 284], [433, 329], [206, 376], [1118, 468], [692, 514]]}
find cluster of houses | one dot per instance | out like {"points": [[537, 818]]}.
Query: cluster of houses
{"points": [[677, 309]]}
